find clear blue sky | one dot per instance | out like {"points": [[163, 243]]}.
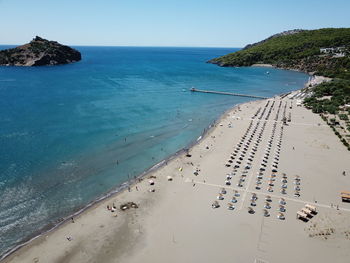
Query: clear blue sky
{"points": [[211, 23]]}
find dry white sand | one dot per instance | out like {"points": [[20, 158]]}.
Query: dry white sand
{"points": [[176, 223]]}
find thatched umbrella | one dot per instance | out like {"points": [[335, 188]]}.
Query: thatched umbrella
{"points": [[230, 206], [254, 197], [282, 201], [215, 204], [268, 198], [266, 213], [282, 208], [281, 216], [267, 205], [220, 197], [251, 210]]}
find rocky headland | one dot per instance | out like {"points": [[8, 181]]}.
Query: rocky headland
{"points": [[39, 52]]}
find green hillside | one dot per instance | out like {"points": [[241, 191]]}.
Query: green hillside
{"points": [[298, 49]]}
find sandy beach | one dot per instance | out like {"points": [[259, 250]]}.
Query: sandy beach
{"points": [[175, 222]]}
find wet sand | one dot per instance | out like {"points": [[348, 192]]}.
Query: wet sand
{"points": [[177, 223]]}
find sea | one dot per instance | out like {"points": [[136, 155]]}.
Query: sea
{"points": [[71, 134]]}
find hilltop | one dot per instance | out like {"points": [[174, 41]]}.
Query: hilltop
{"points": [[323, 51], [39, 52]]}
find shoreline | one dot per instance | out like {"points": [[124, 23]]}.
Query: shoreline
{"points": [[97, 214], [119, 189]]}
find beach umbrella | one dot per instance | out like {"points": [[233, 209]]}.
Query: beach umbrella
{"points": [[281, 216], [266, 213], [230, 206], [215, 204], [282, 208], [234, 200], [267, 205], [251, 210]]}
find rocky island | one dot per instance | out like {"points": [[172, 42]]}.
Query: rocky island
{"points": [[39, 52]]}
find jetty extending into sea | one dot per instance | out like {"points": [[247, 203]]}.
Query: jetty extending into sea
{"points": [[228, 93]]}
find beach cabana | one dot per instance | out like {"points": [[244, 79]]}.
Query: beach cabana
{"points": [[301, 215], [345, 196], [311, 208]]}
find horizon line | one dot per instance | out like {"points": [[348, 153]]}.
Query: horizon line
{"points": [[81, 45]]}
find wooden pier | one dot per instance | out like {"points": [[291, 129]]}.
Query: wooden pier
{"points": [[228, 93]]}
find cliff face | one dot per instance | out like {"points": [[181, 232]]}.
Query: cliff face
{"points": [[39, 52]]}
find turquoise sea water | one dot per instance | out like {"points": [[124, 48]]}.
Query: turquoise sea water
{"points": [[69, 134]]}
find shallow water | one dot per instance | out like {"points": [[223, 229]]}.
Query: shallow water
{"points": [[69, 134]]}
